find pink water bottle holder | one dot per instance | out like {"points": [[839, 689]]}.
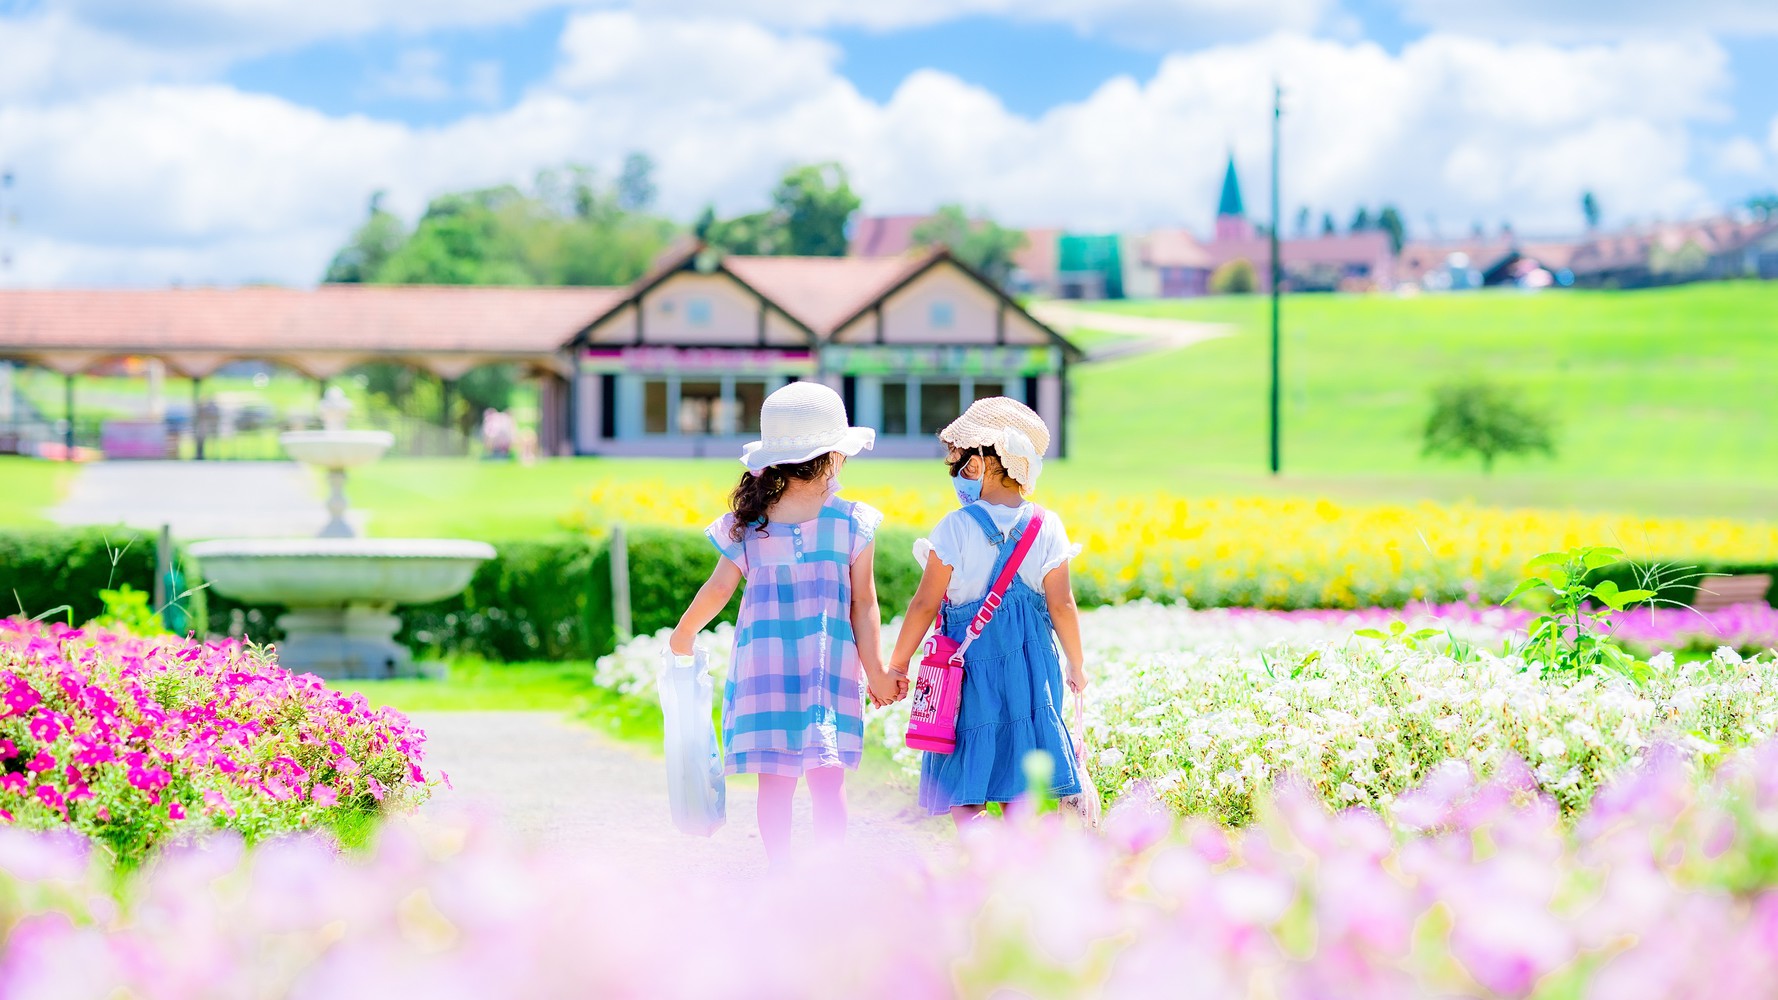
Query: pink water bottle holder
{"points": [[937, 693]]}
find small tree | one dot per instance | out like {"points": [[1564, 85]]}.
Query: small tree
{"points": [[1237, 277], [1487, 419], [981, 243], [1589, 207], [1389, 220]]}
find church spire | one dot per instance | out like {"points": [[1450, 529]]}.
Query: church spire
{"points": [[1231, 214], [1230, 205]]}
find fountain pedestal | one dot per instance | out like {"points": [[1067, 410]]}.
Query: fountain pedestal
{"points": [[340, 590], [340, 593]]}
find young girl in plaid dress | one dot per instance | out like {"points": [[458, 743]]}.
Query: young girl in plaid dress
{"points": [[809, 631]]}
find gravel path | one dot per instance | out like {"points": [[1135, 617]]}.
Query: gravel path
{"points": [[199, 499], [1148, 333], [563, 786]]}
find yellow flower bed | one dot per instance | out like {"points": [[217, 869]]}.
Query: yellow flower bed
{"points": [[1282, 553]]}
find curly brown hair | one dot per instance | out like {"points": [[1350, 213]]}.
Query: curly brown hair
{"points": [[754, 495]]}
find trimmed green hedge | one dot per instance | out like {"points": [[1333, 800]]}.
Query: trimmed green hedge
{"points": [[49, 568], [548, 600]]}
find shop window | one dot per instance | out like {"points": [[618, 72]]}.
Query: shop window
{"points": [[749, 397], [940, 403], [941, 315], [1031, 391], [985, 388], [895, 406], [700, 408], [654, 407], [697, 311]]}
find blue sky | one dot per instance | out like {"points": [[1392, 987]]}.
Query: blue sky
{"points": [[255, 132]]}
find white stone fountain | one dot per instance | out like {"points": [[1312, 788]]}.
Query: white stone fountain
{"points": [[341, 590]]}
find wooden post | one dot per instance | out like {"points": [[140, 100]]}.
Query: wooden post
{"points": [[621, 624], [197, 415], [68, 405]]}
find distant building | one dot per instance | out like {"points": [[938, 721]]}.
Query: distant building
{"points": [[1714, 249], [679, 363], [1231, 213]]}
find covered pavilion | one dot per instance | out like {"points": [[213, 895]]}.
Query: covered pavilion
{"points": [[320, 332]]}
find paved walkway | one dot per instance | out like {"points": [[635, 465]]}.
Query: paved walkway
{"points": [[1147, 333], [199, 499], [562, 786]]}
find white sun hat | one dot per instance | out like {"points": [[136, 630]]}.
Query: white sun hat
{"points": [[1015, 432], [800, 421]]}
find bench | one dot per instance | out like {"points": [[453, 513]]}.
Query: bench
{"points": [[1718, 592]]}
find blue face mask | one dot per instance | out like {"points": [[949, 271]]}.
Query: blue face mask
{"points": [[968, 490]]}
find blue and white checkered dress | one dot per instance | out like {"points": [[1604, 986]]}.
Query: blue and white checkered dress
{"points": [[794, 697]]}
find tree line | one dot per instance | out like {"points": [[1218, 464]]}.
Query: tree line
{"points": [[572, 228]]}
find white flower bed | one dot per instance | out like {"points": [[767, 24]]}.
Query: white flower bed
{"points": [[1208, 707]]}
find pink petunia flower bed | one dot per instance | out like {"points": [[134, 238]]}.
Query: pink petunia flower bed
{"points": [[1664, 888], [135, 741]]}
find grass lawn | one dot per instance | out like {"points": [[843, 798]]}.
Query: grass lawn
{"points": [[568, 688], [29, 487]]}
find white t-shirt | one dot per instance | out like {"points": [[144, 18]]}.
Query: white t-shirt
{"points": [[959, 543]]}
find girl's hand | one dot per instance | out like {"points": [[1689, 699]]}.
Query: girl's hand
{"points": [[1077, 679], [681, 643], [883, 688]]}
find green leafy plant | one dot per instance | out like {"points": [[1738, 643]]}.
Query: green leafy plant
{"points": [[1571, 635], [127, 610], [1398, 632]]}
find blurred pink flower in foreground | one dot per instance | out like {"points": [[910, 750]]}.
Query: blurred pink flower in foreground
{"points": [[1664, 889]]}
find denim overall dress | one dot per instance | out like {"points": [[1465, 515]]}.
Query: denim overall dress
{"points": [[1012, 695]]}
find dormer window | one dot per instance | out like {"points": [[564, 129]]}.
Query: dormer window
{"points": [[697, 311], [941, 315]]}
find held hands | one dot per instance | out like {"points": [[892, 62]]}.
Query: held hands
{"points": [[886, 686]]}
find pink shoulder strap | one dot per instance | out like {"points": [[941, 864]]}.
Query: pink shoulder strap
{"points": [[997, 593]]}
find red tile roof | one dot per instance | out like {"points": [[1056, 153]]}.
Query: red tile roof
{"points": [[1349, 248], [883, 235], [822, 292], [378, 319], [1174, 248]]}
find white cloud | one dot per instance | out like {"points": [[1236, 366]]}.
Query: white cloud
{"points": [[223, 185], [1591, 19], [1741, 157], [1149, 24], [52, 54]]}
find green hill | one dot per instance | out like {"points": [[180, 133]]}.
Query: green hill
{"points": [[1666, 398]]}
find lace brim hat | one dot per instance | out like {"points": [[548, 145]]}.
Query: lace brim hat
{"points": [[1015, 432], [800, 421]]}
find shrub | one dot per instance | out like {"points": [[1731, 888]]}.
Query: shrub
{"points": [[134, 741], [1237, 277], [1481, 417], [41, 570]]}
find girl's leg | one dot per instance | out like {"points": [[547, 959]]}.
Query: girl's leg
{"points": [[965, 815], [775, 793], [827, 786]]}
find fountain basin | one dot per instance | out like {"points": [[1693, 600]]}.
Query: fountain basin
{"points": [[336, 449], [340, 592]]}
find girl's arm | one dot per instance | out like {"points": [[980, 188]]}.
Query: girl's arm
{"points": [[1058, 592], [867, 627], [712, 597], [922, 610]]}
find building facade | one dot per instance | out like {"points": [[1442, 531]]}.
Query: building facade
{"points": [[680, 365]]}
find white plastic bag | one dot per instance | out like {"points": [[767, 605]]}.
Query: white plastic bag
{"points": [[695, 787]]}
